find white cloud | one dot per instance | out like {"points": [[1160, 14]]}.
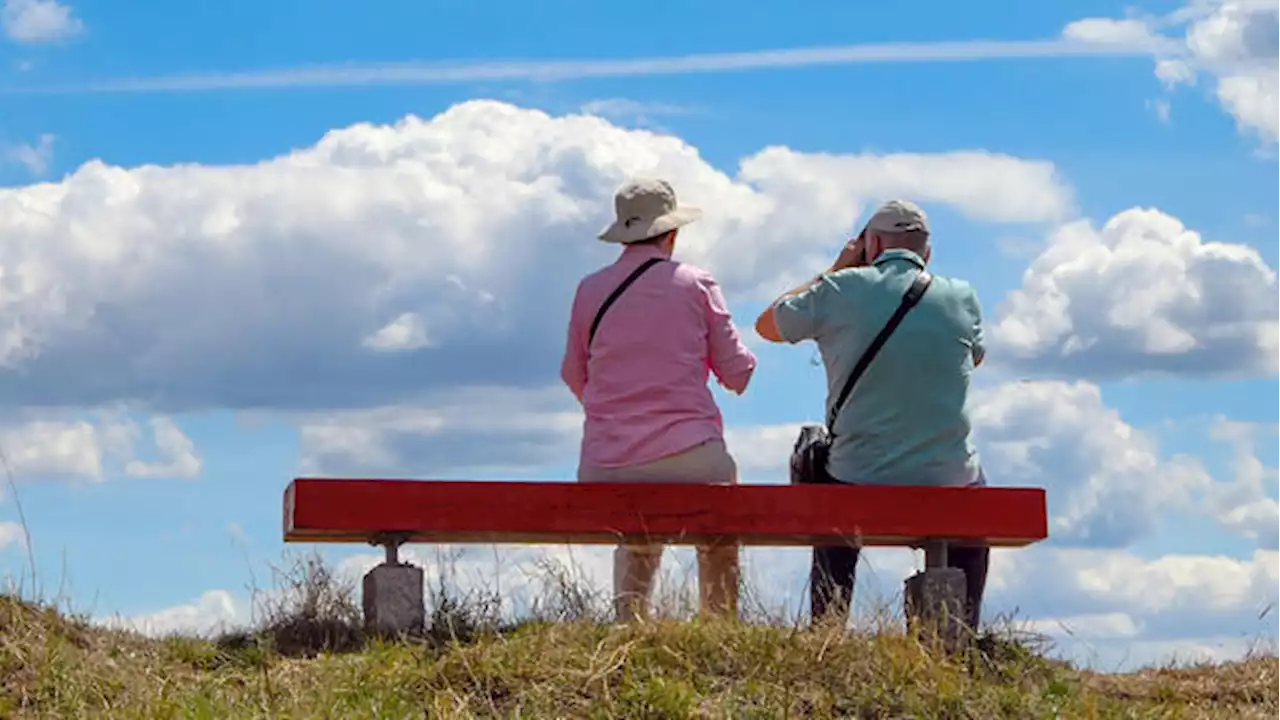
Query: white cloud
{"points": [[1247, 505], [474, 430], [1141, 294], [763, 451], [1204, 588], [545, 71], [1252, 99], [216, 611], [1234, 41], [1106, 482], [53, 446], [53, 449], [406, 332], [1131, 33], [477, 222], [177, 454], [1173, 73], [1108, 626], [1115, 610], [38, 21], [35, 158]]}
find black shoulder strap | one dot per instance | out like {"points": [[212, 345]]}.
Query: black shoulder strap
{"points": [[635, 275], [918, 287]]}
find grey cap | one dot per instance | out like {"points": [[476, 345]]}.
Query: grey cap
{"points": [[898, 216]]}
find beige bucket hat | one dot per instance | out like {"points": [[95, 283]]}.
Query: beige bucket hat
{"points": [[646, 208]]}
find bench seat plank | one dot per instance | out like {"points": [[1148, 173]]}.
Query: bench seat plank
{"points": [[500, 512]]}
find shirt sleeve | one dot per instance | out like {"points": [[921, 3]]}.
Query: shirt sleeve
{"points": [[573, 368], [730, 360], [977, 340], [803, 316]]}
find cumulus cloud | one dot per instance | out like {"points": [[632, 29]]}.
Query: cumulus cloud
{"points": [[1236, 42], [501, 431], [38, 21], [1247, 504], [1239, 42], [1141, 294], [463, 233], [95, 448], [53, 449], [1115, 609], [1106, 482], [1174, 596]]}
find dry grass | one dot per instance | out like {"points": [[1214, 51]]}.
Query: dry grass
{"points": [[309, 659]]}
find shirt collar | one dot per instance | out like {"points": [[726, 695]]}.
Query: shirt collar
{"points": [[899, 254]]}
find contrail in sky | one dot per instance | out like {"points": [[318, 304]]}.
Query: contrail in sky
{"points": [[443, 73]]}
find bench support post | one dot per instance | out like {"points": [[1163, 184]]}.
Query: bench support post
{"points": [[393, 593], [934, 599]]}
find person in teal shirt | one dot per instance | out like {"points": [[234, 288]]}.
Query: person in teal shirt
{"points": [[905, 422]]}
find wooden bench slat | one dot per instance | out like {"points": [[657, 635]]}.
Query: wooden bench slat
{"points": [[499, 512]]}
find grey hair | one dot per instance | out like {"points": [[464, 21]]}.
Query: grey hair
{"points": [[914, 240], [656, 239]]}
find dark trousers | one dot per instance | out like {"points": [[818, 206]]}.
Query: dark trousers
{"points": [[834, 569]]}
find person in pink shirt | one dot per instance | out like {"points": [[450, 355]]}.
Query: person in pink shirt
{"points": [[645, 334]]}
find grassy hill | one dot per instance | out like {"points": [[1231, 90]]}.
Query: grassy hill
{"points": [[307, 657], [53, 666]]}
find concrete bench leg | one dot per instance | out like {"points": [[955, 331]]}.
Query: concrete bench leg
{"points": [[393, 598], [935, 600]]}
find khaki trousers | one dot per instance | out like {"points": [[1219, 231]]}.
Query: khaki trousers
{"points": [[635, 566]]}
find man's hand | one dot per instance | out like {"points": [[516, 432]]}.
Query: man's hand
{"points": [[854, 254]]}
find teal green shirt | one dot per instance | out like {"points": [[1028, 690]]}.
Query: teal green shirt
{"points": [[905, 422]]}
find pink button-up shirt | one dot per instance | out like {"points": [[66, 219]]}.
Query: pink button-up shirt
{"points": [[643, 383]]}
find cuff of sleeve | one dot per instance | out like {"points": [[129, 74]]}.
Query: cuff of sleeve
{"points": [[781, 314]]}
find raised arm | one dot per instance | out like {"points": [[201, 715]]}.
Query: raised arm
{"points": [[800, 314], [767, 323], [797, 314]]}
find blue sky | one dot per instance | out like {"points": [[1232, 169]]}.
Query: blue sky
{"points": [[187, 269]]}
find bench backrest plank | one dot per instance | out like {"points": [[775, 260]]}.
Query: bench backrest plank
{"points": [[352, 510]]}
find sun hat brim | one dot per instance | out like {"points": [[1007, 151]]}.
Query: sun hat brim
{"points": [[619, 232]]}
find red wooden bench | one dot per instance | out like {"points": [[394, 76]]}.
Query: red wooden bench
{"points": [[393, 512]]}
